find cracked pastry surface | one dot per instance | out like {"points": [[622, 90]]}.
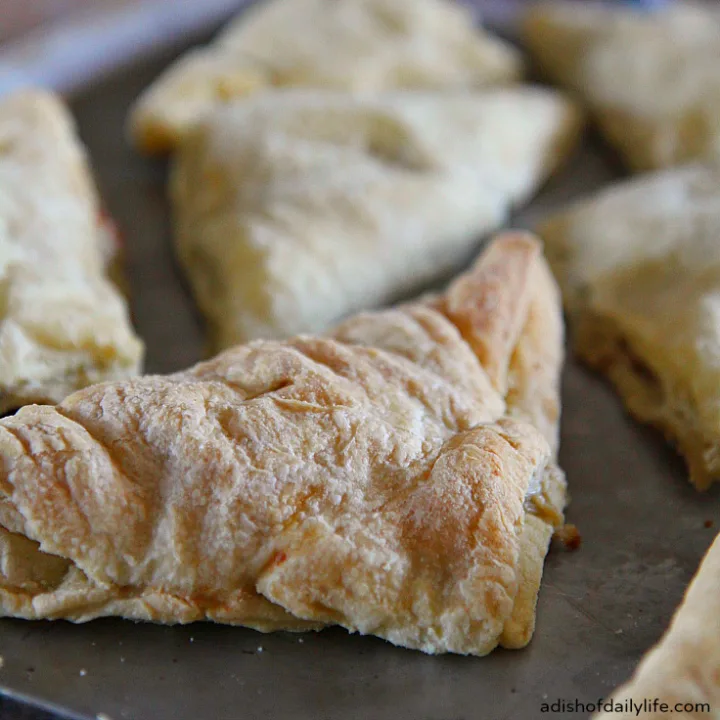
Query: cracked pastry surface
{"points": [[356, 46], [385, 477], [63, 324], [293, 210], [684, 667], [652, 79], [639, 265]]}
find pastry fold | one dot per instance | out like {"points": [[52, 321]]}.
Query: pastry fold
{"points": [[639, 265], [683, 669], [63, 324], [651, 78], [386, 478], [356, 46], [293, 210]]}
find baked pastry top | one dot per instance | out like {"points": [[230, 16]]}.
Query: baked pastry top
{"points": [[364, 46], [63, 324], [639, 265], [396, 477], [652, 79], [683, 669], [295, 209]]}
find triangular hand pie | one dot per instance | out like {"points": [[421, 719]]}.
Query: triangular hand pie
{"points": [[296, 209], [386, 478], [639, 265], [365, 46], [652, 78], [63, 324], [683, 670]]}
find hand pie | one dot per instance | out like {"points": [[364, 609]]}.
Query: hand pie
{"points": [[639, 265], [295, 209], [684, 668], [652, 79], [63, 324], [357, 46], [386, 478]]}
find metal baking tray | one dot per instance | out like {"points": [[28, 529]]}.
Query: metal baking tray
{"points": [[644, 530]]}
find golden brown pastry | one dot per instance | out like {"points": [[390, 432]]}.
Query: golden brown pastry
{"points": [[63, 324], [357, 46], [683, 670], [385, 478], [652, 78], [639, 265], [296, 209]]}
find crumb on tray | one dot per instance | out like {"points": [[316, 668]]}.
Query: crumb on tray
{"points": [[569, 536]]}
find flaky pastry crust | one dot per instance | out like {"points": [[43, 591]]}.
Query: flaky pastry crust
{"points": [[639, 265], [386, 477], [294, 210], [355, 46], [651, 78], [63, 323]]}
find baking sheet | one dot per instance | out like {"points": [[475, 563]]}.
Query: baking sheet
{"points": [[600, 608]]}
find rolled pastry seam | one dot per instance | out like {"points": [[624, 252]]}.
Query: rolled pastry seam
{"points": [[350, 46], [294, 210], [373, 478], [640, 273], [63, 323], [683, 669]]}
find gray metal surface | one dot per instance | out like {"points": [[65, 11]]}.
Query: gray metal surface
{"points": [[600, 608]]}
